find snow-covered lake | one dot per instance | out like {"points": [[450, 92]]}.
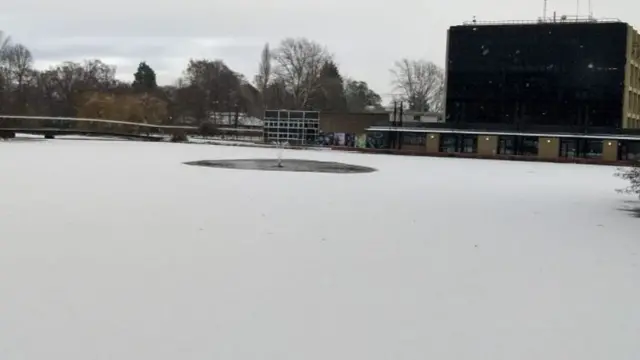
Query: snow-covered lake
{"points": [[116, 250]]}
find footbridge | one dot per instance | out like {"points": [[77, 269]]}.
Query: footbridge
{"points": [[48, 126]]}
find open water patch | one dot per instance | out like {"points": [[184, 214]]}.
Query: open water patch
{"points": [[294, 165]]}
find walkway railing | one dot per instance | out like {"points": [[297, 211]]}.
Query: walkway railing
{"points": [[558, 20], [54, 125], [91, 120]]}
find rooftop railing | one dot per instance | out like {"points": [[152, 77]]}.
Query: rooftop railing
{"points": [[557, 20]]}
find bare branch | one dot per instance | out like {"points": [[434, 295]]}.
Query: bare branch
{"points": [[299, 64], [420, 83]]}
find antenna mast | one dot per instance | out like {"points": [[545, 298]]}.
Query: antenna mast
{"points": [[577, 9], [590, 12], [544, 11]]}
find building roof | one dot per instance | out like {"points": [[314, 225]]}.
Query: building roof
{"points": [[557, 20]]}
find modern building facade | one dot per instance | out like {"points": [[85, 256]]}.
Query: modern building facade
{"points": [[294, 127], [546, 76], [548, 89]]}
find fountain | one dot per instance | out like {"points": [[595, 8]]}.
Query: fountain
{"points": [[280, 146], [295, 165]]}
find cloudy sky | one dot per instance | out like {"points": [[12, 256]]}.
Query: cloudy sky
{"points": [[366, 36]]}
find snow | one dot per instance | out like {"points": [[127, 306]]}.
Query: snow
{"points": [[116, 250]]}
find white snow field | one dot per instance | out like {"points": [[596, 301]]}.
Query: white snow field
{"points": [[116, 250]]}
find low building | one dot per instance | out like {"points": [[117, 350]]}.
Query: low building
{"points": [[514, 145]]}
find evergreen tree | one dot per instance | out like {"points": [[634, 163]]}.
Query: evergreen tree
{"points": [[330, 95], [144, 78], [360, 97]]}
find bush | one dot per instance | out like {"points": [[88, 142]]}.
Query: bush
{"points": [[208, 129], [179, 136], [7, 134], [632, 175]]}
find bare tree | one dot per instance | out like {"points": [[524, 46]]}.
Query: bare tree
{"points": [[420, 83], [5, 43], [19, 76], [213, 88], [64, 85], [299, 64], [18, 60]]}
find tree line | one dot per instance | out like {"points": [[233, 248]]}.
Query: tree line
{"points": [[298, 74]]}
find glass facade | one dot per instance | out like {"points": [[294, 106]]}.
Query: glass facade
{"points": [[294, 127], [459, 143], [469, 144], [506, 145], [409, 138], [568, 148], [527, 145], [550, 77], [592, 148], [629, 150], [448, 143]]}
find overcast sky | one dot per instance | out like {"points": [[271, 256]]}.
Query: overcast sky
{"points": [[366, 37]]}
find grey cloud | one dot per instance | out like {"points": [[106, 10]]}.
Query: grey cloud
{"points": [[366, 36], [66, 52]]}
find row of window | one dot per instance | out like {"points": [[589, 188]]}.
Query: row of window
{"points": [[527, 146], [292, 115], [292, 125], [291, 133], [514, 145], [547, 112]]}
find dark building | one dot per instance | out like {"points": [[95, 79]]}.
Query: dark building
{"points": [[563, 76], [548, 89]]}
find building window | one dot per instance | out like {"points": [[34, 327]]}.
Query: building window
{"points": [[568, 148], [592, 148], [629, 150], [448, 143], [469, 144], [528, 146], [506, 145], [416, 117], [414, 139]]}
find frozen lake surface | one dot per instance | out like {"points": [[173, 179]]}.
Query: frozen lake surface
{"points": [[116, 250]]}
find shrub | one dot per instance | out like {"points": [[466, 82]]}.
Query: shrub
{"points": [[208, 129], [179, 136], [7, 134], [632, 175]]}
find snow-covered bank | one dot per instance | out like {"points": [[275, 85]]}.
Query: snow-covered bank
{"points": [[118, 250]]}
